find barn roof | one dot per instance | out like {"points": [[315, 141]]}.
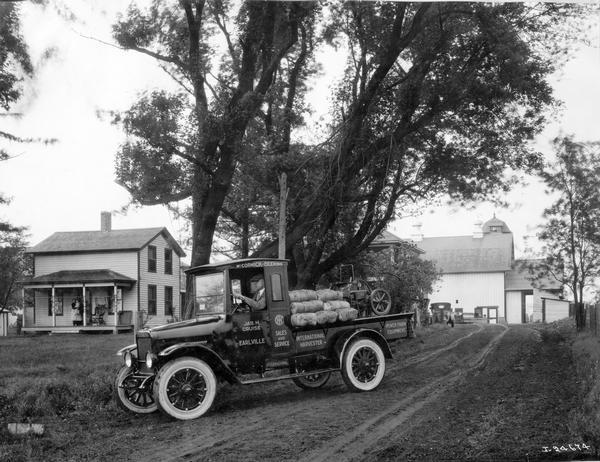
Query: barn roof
{"points": [[493, 252], [98, 241], [519, 278]]}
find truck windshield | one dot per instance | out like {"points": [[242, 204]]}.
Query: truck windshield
{"points": [[209, 294]]}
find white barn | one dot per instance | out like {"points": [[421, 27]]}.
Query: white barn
{"points": [[481, 277]]}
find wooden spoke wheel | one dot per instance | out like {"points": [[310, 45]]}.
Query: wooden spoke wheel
{"points": [[381, 302], [134, 393], [363, 365], [312, 381], [185, 388]]}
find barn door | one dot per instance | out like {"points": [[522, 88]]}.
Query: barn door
{"points": [[492, 314]]}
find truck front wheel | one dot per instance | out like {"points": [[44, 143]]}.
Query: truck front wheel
{"points": [[134, 392], [363, 365], [185, 388]]}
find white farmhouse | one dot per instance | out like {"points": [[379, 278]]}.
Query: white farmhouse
{"points": [[115, 279]]}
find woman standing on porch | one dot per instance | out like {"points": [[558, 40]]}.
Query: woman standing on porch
{"points": [[76, 312]]}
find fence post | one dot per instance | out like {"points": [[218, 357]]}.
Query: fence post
{"points": [[579, 316]]}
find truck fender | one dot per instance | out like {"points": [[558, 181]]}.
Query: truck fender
{"points": [[200, 350], [131, 348], [342, 343]]}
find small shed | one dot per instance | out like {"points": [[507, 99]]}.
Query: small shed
{"points": [[554, 309]]}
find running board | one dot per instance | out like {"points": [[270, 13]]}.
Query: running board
{"points": [[288, 376]]}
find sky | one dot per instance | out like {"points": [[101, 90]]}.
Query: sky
{"points": [[65, 186]]}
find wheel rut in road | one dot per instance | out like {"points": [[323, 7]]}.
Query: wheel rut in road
{"points": [[438, 351], [354, 443]]}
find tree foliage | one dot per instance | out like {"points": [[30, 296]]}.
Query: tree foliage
{"points": [[14, 61], [570, 233], [15, 67], [14, 264], [436, 99]]}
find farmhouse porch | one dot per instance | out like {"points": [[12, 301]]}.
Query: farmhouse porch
{"points": [[77, 301]]}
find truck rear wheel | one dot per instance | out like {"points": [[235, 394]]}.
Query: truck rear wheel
{"points": [[312, 381], [185, 388], [363, 365], [134, 393]]}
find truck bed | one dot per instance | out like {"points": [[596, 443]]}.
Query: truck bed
{"points": [[391, 326]]}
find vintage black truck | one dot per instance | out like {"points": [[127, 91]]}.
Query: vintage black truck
{"points": [[176, 367]]}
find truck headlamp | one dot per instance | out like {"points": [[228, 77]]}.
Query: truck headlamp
{"points": [[150, 358], [128, 358]]}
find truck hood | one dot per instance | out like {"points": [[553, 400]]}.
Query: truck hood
{"points": [[202, 325]]}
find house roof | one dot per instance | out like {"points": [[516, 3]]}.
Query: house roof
{"points": [[466, 254], [98, 241], [80, 276], [387, 239]]}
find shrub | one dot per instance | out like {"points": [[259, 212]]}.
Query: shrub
{"points": [[585, 421]]}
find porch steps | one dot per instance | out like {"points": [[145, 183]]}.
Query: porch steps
{"points": [[66, 331]]}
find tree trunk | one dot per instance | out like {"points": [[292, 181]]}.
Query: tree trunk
{"points": [[207, 201]]}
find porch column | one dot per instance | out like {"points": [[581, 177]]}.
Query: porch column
{"points": [[84, 307], [115, 306], [53, 307], [23, 299]]}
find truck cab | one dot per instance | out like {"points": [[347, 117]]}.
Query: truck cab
{"points": [[238, 327]]}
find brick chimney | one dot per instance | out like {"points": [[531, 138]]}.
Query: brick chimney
{"points": [[105, 222], [417, 234], [478, 229]]}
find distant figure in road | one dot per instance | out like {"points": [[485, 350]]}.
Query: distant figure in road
{"points": [[450, 320], [429, 315]]}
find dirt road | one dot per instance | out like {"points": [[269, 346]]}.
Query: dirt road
{"points": [[473, 392]]}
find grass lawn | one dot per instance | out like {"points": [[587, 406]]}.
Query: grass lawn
{"points": [[47, 379]]}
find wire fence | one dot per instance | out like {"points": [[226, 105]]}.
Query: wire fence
{"points": [[587, 317]]}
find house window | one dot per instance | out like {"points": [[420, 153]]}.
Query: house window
{"points": [[168, 261], [151, 259], [151, 299], [168, 301]]}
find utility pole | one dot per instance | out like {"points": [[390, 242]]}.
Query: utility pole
{"points": [[283, 193]]}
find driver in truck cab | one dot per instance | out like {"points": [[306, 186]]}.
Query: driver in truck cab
{"points": [[257, 301]]}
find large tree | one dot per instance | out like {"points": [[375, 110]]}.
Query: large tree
{"points": [[436, 98], [189, 144], [570, 234]]}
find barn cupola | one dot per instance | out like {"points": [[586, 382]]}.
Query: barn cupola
{"points": [[495, 226]]}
